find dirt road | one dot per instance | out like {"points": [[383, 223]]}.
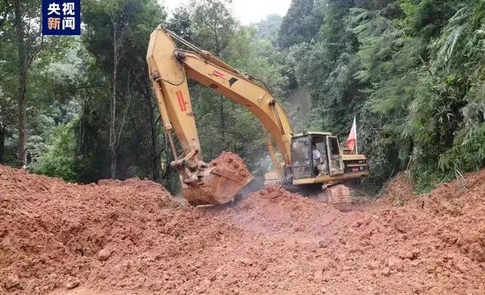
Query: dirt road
{"points": [[132, 238]]}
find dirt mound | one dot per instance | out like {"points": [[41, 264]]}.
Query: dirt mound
{"points": [[232, 162], [130, 237], [276, 211], [459, 208], [52, 231], [399, 189]]}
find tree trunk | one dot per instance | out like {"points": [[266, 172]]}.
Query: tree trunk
{"points": [[2, 145], [22, 87], [113, 163], [154, 155], [112, 129], [223, 124]]}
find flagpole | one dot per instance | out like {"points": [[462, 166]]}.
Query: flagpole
{"points": [[355, 136], [352, 139]]}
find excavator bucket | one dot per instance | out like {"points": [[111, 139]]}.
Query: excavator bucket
{"points": [[225, 177], [219, 186]]}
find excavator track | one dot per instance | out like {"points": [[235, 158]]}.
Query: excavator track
{"points": [[339, 197]]}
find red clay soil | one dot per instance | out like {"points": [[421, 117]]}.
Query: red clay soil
{"points": [[131, 238], [399, 189], [231, 162]]}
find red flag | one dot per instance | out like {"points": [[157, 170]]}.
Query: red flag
{"points": [[352, 140]]}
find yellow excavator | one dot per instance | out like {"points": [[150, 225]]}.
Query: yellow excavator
{"points": [[203, 183]]}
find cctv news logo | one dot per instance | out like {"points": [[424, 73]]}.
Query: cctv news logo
{"points": [[61, 17]]}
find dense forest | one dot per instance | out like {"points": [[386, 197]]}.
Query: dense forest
{"points": [[411, 71]]}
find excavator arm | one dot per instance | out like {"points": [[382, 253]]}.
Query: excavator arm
{"points": [[169, 68]]}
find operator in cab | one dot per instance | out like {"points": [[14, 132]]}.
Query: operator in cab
{"points": [[316, 154], [319, 161], [317, 158]]}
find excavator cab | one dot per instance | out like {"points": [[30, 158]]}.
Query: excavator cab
{"points": [[315, 154]]}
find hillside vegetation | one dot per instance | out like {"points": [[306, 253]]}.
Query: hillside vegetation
{"points": [[412, 72]]}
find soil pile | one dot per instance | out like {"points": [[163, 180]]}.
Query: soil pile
{"points": [[232, 162], [399, 189], [131, 238], [276, 211], [52, 233]]}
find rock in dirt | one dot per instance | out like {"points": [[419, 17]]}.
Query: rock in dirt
{"points": [[395, 263], [104, 254], [12, 281], [72, 283], [373, 265], [406, 254], [318, 276]]}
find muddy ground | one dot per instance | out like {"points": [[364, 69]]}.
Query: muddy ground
{"points": [[132, 237]]}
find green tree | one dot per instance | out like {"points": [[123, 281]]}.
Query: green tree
{"points": [[25, 52], [59, 157], [133, 125], [300, 24], [268, 28]]}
